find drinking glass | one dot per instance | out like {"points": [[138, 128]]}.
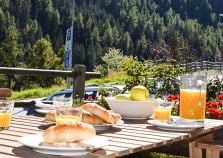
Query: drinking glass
{"points": [[6, 109], [68, 115], [193, 97], [65, 113], [163, 111]]}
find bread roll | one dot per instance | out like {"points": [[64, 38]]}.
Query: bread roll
{"points": [[116, 117], [5, 93], [99, 111], [50, 116], [91, 119], [68, 133]]}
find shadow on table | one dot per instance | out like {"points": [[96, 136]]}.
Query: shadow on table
{"points": [[139, 121], [25, 152], [46, 125], [110, 130]]}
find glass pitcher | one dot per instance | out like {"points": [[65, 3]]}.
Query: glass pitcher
{"points": [[193, 97]]}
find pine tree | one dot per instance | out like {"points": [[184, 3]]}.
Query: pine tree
{"points": [[42, 56], [2, 26], [10, 49]]}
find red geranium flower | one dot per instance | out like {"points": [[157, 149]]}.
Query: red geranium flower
{"points": [[209, 110], [176, 97], [217, 113], [214, 104], [207, 103], [172, 97], [220, 96]]}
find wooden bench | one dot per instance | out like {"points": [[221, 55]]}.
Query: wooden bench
{"points": [[211, 147]]}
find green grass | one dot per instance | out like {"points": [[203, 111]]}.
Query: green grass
{"points": [[35, 93], [146, 154], [159, 155], [116, 77]]}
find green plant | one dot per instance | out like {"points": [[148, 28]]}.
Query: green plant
{"points": [[102, 69], [165, 79], [114, 59], [102, 102], [136, 72], [160, 79]]}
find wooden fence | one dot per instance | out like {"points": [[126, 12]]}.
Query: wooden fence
{"points": [[203, 65], [78, 74]]}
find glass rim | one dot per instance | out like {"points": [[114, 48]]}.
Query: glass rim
{"points": [[5, 100], [7, 103]]}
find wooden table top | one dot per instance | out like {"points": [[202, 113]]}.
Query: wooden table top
{"points": [[127, 138]]}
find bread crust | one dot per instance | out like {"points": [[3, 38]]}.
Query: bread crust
{"points": [[116, 117], [68, 133], [50, 116], [89, 116], [91, 119], [5, 93], [99, 111]]}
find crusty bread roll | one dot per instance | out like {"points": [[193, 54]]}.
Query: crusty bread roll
{"points": [[5, 93], [87, 117], [116, 117], [91, 119], [68, 133], [50, 116], [99, 111]]}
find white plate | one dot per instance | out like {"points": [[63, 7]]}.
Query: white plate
{"points": [[35, 142], [42, 111], [42, 105], [106, 126], [177, 125]]}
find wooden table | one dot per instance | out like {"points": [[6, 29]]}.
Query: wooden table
{"points": [[127, 138]]}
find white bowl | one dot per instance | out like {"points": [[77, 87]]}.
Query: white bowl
{"points": [[132, 109]]}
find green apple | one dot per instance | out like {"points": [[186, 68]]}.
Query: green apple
{"points": [[122, 97], [139, 93]]}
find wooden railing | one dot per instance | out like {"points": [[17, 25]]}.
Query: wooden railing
{"points": [[78, 74], [204, 65]]}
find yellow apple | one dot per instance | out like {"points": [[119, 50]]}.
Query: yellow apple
{"points": [[122, 97], [139, 93]]}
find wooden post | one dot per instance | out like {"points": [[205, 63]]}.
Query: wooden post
{"points": [[79, 81], [194, 152], [203, 65]]}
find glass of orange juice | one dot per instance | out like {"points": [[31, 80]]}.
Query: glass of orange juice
{"points": [[6, 109], [193, 97], [163, 112]]}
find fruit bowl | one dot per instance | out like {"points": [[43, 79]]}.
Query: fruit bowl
{"points": [[129, 109]]}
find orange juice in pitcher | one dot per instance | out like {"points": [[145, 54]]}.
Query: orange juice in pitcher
{"points": [[191, 105], [193, 97]]}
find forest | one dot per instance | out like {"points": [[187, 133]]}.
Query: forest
{"points": [[32, 33]]}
